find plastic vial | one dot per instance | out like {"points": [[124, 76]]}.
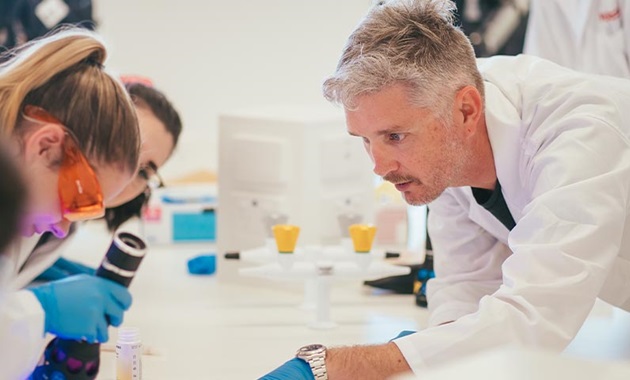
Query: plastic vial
{"points": [[128, 354]]}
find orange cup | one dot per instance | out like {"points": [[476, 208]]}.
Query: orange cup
{"points": [[286, 237], [362, 237]]}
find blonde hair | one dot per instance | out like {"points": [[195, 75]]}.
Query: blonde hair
{"points": [[413, 42], [63, 73]]}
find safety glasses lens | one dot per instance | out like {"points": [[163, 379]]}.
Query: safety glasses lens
{"points": [[79, 190]]}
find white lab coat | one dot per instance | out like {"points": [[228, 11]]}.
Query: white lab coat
{"points": [[561, 146], [22, 318], [587, 35]]}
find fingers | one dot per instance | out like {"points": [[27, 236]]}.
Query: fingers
{"points": [[115, 320], [83, 307], [117, 301], [113, 312], [119, 295], [102, 333], [99, 331]]}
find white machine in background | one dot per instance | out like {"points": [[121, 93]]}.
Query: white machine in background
{"points": [[294, 161]]}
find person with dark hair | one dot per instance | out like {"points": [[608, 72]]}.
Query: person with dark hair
{"points": [[74, 132], [525, 165], [160, 127]]}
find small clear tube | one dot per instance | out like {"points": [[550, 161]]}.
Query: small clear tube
{"points": [[128, 354]]}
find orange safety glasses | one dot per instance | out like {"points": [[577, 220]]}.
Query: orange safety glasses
{"points": [[80, 193]]}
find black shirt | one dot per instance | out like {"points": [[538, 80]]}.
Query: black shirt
{"points": [[493, 201]]}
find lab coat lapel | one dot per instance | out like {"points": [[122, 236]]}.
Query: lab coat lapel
{"points": [[504, 131]]}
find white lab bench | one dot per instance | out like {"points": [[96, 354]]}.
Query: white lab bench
{"points": [[206, 327]]}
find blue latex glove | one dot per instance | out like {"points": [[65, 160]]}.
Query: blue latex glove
{"points": [[294, 369], [82, 307], [63, 268], [73, 267], [403, 333], [52, 273]]}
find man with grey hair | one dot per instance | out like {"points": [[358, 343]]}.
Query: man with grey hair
{"points": [[526, 169]]}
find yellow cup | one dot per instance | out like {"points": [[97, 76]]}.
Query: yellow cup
{"points": [[362, 237], [286, 237]]}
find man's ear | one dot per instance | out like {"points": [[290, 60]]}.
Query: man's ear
{"points": [[468, 108], [45, 143]]}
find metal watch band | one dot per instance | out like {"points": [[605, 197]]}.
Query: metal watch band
{"points": [[318, 367], [315, 356]]}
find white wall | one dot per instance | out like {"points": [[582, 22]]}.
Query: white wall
{"points": [[210, 56]]}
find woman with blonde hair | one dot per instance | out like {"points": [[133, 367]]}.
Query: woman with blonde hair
{"points": [[160, 128], [73, 129]]}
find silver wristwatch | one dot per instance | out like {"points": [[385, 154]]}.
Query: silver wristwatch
{"points": [[315, 356]]}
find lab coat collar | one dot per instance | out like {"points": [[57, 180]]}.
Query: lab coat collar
{"points": [[503, 123]]}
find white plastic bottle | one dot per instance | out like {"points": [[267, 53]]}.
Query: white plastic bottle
{"points": [[128, 354]]}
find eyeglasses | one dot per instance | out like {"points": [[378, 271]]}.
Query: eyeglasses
{"points": [[151, 176], [80, 193]]}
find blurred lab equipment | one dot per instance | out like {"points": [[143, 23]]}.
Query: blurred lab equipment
{"points": [[494, 27], [181, 214], [296, 161], [318, 266], [24, 20]]}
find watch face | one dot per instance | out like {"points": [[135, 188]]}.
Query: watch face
{"points": [[311, 349]]}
